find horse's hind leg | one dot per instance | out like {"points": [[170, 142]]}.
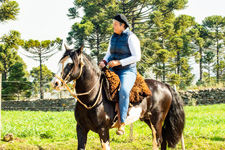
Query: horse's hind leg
{"points": [[104, 138], [154, 140], [82, 137], [156, 126]]}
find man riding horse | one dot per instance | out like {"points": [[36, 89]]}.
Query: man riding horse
{"points": [[122, 54], [163, 111]]}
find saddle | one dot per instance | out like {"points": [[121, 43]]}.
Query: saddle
{"points": [[111, 86]]}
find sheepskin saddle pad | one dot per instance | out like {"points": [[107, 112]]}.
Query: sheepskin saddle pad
{"points": [[139, 91]]}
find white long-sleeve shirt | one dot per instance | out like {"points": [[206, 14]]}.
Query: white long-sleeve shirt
{"points": [[135, 50]]}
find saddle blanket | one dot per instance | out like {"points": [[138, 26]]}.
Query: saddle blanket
{"points": [[139, 91]]}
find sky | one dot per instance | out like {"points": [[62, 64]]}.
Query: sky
{"points": [[47, 19], [203, 8]]}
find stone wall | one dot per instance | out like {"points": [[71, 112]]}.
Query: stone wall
{"points": [[190, 97], [41, 105], [203, 97]]}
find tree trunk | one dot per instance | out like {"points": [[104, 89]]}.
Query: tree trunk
{"points": [[217, 60], [209, 71], [164, 65], [0, 103], [200, 64], [98, 44], [132, 23], [5, 72], [164, 73], [41, 82], [178, 63]]}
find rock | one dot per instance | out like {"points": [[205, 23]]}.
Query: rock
{"points": [[8, 137]]}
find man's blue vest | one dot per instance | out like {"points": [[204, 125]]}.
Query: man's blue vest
{"points": [[119, 49]]}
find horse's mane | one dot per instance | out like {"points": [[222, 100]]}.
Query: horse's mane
{"points": [[94, 65], [90, 61]]}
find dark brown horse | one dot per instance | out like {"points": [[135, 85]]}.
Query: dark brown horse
{"points": [[162, 112]]}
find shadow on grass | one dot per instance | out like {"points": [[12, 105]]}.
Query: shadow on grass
{"points": [[218, 139]]}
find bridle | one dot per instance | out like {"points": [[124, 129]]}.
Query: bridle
{"points": [[73, 92]]}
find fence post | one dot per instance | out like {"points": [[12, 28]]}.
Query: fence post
{"points": [[0, 104], [131, 132]]}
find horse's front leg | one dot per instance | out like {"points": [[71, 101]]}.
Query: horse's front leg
{"points": [[82, 137], [104, 138]]}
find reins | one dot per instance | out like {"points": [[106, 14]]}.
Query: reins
{"points": [[73, 93]]}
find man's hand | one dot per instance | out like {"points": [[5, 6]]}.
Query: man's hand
{"points": [[114, 63], [101, 64]]}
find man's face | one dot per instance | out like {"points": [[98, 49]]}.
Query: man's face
{"points": [[118, 29]]}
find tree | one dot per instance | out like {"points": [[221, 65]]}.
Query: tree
{"points": [[215, 24], [8, 10], [100, 14], [180, 44], [222, 69], [208, 60], [47, 77], [8, 55], [17, 82], [181, 40], [42, 51], [94, 29], [161, 32], [8, 58], [200, 36], [12, 39], [186, 76], [170, 34]]}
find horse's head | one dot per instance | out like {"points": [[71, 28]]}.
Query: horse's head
{"points": [[70, 67]]}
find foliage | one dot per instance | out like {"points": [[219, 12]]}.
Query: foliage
{"points": [[200, 37], [8, 10], [42, 51], [204, 129], [12, 39], [171, 47], [8, 58], [11, 64], [47, 77], [215, 24], [8, 55], [95, 27], [169, 44], [161, 32], [93, 30], [17, 84], [1, 68], [47, 74], [174, 79]]}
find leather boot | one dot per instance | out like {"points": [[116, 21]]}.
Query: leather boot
{"points": [[121, 129]]}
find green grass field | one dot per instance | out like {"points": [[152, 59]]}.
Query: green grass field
{"points": [[204, 130]]}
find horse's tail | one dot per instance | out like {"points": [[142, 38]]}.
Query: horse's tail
{"points": [[174, 123]]}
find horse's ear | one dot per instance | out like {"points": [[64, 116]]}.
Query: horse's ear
{"points": [[67, 48], [80, 50]]}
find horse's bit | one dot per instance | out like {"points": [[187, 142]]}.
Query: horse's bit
{"points": [[73, 93]]}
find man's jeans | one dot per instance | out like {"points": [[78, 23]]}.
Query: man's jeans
{"points": [[127, 80]]}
